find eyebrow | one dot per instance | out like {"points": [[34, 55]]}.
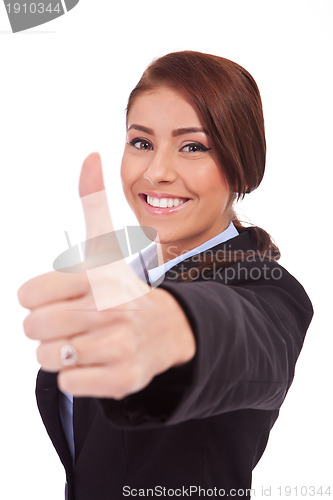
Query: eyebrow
{"points": [[175, 133]]}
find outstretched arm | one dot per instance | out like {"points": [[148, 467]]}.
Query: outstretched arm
{"points": [[248, 339], [123, 331]]}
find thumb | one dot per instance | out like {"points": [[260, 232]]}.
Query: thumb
{"points": [[93, 197], [91, 179], [112, 280], [102, 243]]}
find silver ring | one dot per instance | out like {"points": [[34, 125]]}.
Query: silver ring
{"points": [[68, 355]]}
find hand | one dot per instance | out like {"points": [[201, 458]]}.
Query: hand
{"points": [[120, 349]]}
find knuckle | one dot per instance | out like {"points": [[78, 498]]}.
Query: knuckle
{"points": [[127, 348], [82, 283], [123, 380], [105, 318], [98, 317], [87, 300], [21, 296], [64, 382], [25, 294], [29, 327], [118, 382], [121, 392], [68, 381], [137, 375], [131, 380], [117, 392], [40, 355]]}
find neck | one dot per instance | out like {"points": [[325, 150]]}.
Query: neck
{"points": [[167, 251]]}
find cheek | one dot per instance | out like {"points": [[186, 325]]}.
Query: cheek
{"points": [[126, 175], [131, 170], [214, 190], [210, 183]]}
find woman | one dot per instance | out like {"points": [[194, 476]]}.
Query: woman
{"points": [[176, 391]]}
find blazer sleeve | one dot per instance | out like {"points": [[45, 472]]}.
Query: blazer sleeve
{"points": [[248, 337]]}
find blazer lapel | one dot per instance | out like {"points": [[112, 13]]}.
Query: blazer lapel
{"points": [[85, 411], [47, 395]]}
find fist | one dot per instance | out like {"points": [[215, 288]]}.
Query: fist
{"points": [[105, 332]]}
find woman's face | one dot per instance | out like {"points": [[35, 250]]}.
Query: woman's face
{"points": [[169, 157]]}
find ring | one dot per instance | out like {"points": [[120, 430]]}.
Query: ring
{"points": [[68, 355]]}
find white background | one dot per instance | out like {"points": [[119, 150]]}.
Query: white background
{"points": [[63, 92]]}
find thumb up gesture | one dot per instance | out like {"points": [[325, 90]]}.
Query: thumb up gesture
{"points": [[105, 332]]}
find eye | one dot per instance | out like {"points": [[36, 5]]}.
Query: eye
{"points": [[142, 144], [194, 147]]}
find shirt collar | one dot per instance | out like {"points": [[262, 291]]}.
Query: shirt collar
{"points": [[146, 264]]}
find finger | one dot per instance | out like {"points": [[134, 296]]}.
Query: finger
{"points": [[115, 381], [52, 287], [112, 280], [102, 347], [63, 319]]}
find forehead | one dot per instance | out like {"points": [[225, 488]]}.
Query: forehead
{"points": [[163, 106]]}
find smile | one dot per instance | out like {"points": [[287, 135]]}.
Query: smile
{"points": [[163, 206]]}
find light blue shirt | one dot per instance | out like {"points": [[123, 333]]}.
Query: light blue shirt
{"points": [[146, 268], [227, 234]]}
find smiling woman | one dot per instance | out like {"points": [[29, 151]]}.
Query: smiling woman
{"points": [[170, 175], [175, 393], [219, 105]]}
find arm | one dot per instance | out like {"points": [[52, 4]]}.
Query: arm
{"points": [[248, 338]]}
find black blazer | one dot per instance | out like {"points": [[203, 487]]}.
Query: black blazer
{"points": [[205, 423]]}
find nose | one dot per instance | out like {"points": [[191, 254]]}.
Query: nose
{"points": [[161, 169]]}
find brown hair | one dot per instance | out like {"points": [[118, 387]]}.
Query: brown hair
{"points": [[228, 102]]}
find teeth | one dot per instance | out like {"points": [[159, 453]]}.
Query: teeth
{"points": [[164, 202]]}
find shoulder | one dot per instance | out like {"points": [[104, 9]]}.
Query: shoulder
{"points": [[237, 263]]}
